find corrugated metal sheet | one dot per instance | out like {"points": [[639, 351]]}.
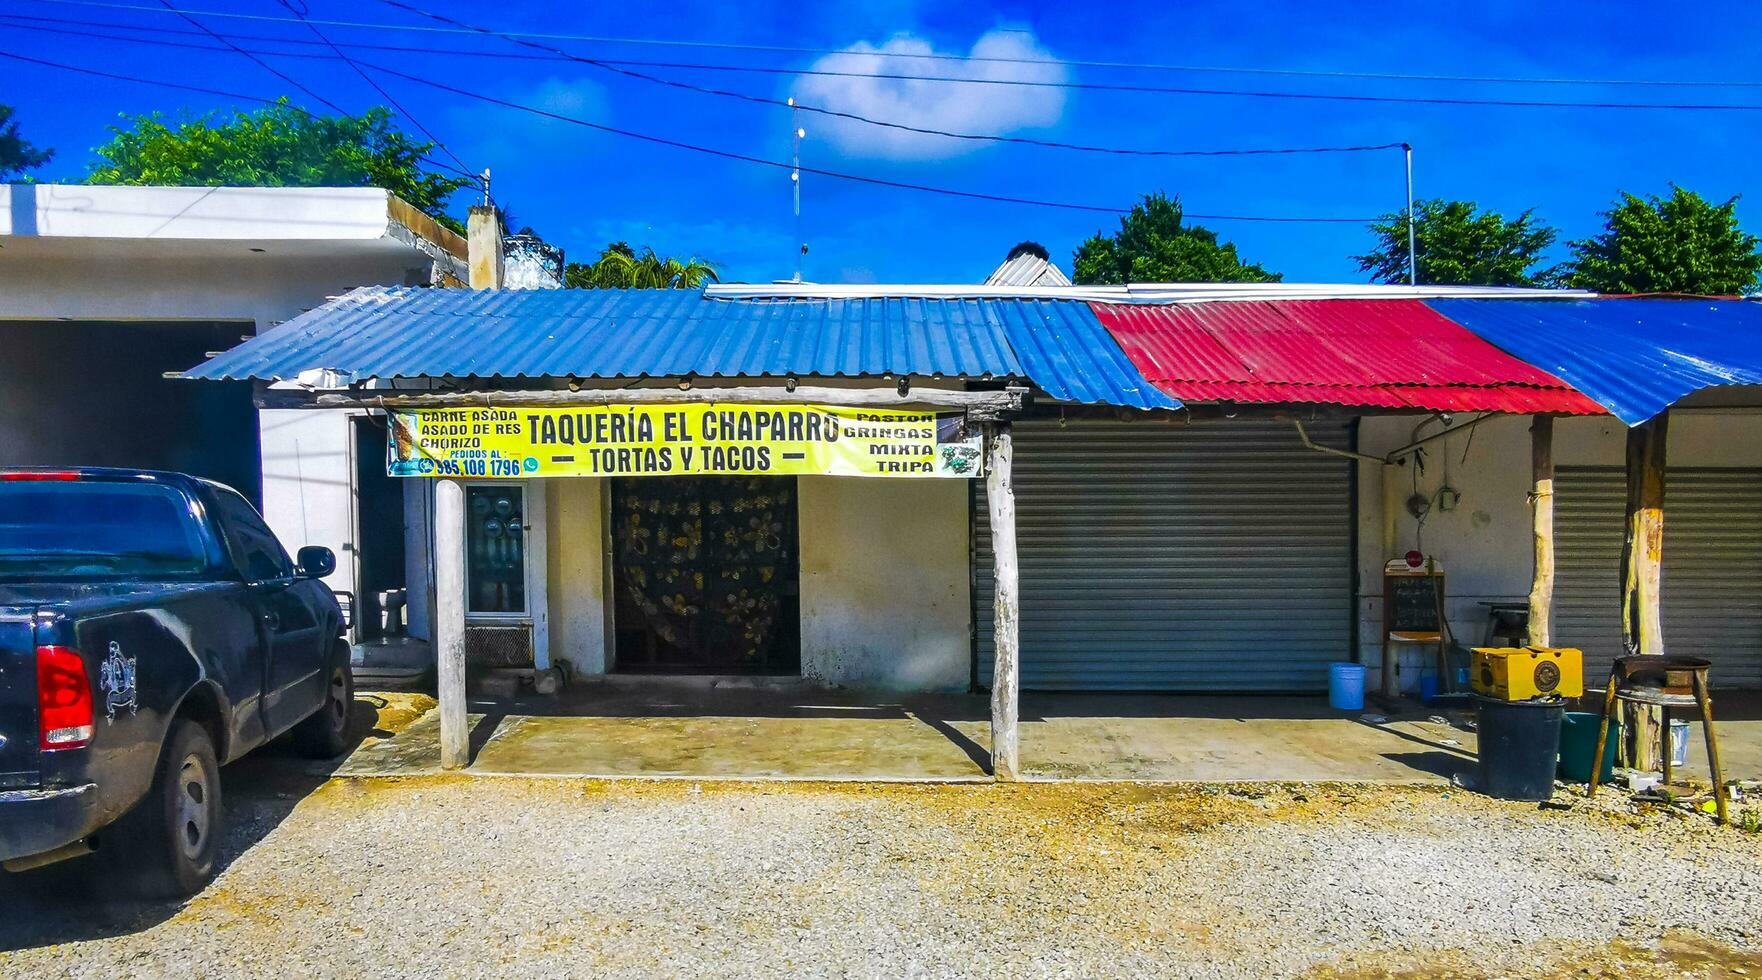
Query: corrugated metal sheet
{"points": [[1635, 357], [590, 333], [1364, 352], [1166, 292], [1027, 269], [1712, 584], [1212, 556]]}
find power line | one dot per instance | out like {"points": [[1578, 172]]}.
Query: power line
{"points": [[710, 151], [1052, 144], [794, 104], [1095, 86], [219, 93], [407, 114], [1117, 65], [259, 62], [901, 185]]}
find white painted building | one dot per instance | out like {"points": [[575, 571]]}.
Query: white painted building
{"points": [[110, 287], [1712, 532], [1235, 544]]}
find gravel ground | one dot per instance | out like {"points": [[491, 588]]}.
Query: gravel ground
{"points": [[509, 877]]}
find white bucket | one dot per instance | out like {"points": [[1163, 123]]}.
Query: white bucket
{"points": [[1679, 743]]}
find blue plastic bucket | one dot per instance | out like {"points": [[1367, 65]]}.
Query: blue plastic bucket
{"points": [[1428, 688], [1346, 687]]}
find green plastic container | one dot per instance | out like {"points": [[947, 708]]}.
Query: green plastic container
{"points": [[1578, 741]]}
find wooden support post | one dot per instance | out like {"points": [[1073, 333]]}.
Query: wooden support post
{"points": [[1642, 559], [1000, 497], [483, 246], [449, 621], [1542, 524]]}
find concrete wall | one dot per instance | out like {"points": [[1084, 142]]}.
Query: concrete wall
{"points": [[1484, 544], [308, 484], [129, 281], [575, 511], [884, 581], [885, 585], [306, 455], [194, 213]]}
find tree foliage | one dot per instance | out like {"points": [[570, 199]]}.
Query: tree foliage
{"points": [[277, 146], [1679, 244], [1460, 245], [1155, 245], [17, 156], [620, 267]]}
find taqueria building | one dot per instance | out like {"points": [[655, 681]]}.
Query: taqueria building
{"points": [[1181, 488]]}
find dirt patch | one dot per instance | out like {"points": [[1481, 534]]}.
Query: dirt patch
{"points": [[1675, 954], [523, 877], [394, 711]]}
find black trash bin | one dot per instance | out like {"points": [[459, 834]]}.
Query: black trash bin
{"points": [[1520, 747]]}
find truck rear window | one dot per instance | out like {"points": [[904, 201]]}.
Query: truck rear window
{"points": [[97, 529]]}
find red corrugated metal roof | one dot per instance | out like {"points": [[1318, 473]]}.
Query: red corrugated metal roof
{"points": [[1372, 353]]}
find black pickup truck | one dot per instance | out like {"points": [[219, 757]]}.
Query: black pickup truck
{"points": [[151, 629]]}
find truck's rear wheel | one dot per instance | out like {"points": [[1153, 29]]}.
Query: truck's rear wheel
{"points": [[172, 838], [325, 734]]}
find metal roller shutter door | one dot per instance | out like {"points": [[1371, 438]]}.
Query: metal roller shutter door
{"points": [[1204, 557], [1712, 568]]}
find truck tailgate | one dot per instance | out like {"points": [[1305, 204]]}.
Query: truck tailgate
{"points": [[18, 698]]}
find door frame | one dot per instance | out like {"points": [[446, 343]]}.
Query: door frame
{"points": [[609, 578], [537, 614]]}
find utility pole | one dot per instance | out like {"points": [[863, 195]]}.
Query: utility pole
{"points": [[1412, 250]]}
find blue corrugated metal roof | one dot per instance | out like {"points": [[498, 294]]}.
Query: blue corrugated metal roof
{"points": [[1635, 357], [377, 332]]}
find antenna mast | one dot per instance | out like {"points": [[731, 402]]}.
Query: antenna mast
{"points": [[797, 134]]}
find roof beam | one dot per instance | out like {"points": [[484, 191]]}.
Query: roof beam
{"points": [[979, 405]]}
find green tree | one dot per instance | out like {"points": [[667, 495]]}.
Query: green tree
{"points": [[1154, 245], [1459, 245], [1679, 244], [277, 146], [16, 155], [620, 267]]}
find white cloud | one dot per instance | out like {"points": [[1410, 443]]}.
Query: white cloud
{"points": [[992, 110]]}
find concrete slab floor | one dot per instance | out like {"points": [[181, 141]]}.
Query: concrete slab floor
{"points": [[690, 730]]}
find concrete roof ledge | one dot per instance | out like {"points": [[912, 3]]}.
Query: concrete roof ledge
{"points": [[217, 214]]}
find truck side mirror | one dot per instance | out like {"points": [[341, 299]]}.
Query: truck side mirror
{"points": [[315, 561]]}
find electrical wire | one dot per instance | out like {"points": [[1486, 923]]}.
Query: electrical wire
{"points": [[1051, 144], [665, 142], [259, 62], [988, 59], [878, 181], [407, 114], [1110, 86], [203, 90], [678, 144], [791, 103]]}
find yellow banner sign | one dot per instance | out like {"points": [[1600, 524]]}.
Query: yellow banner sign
{"points": [[681, 440]]}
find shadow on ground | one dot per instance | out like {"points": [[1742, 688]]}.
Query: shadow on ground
{"points": [[81, 899]]}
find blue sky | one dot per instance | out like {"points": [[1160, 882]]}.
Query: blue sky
{"points": [[582, 188]]}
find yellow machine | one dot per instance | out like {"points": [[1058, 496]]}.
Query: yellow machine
{"points": [[1527, 673]]}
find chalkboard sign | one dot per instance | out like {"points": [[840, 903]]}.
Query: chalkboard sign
{"points": [[1411, 602]]}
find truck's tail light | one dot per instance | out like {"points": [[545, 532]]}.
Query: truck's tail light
{"points": [[64, 699]]}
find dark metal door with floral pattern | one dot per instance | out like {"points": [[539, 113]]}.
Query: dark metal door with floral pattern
{"points": [[707, 575]]}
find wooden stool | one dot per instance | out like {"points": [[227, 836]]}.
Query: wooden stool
{"points": [[1665, 683]]}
